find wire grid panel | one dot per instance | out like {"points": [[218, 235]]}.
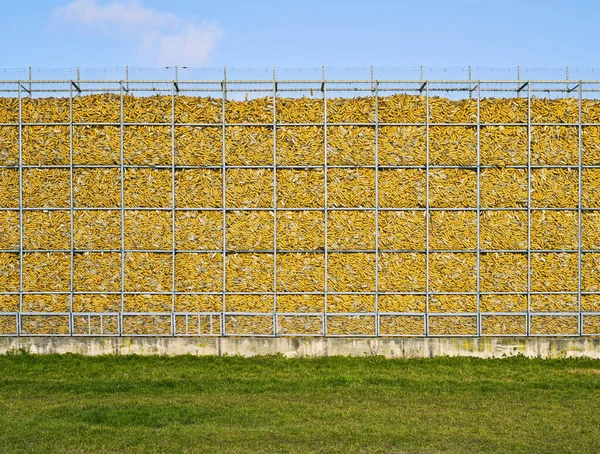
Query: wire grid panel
{"points": [[346, 310]]}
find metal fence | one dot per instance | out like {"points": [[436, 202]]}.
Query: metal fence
{"points": [[322, 83], [308, 73]]}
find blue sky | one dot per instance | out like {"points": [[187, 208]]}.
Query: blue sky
{"points": [[305, 33]]}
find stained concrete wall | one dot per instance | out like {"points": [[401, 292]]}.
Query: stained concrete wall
{"points": [[486, 347]]}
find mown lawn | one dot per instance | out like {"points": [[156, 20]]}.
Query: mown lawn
{"points": [[271, 404]]}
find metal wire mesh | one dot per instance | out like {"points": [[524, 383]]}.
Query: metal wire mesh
{"points": [[327, 84]]}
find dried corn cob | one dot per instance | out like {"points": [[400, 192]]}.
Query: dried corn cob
{"points": [[44, 272], [96, 145], [401, 325], [297, 188], [402, 145], [147, 188], [351, 110], [100, 108], [402, 230], [402, 188], [504, 230], [553, 303], [97, 188], [351, 272], [97, 272], [452, 303], [198, 272], [452, 272], [503, 110], [46, 229], [557, 325], [45, 188], [9, 146], [503, 145], [97, 229], [351, 188], [259, 110], [300, 230], [442, 110], [504, 188], [198, 146], [503, 325], [351, 230], [199, 230], [546, 110], [554, 145], [453, 230], [452, 325], [554, 229], [300, 110], [249, 145], [503, 303], [198, 303], [453, 145], [503, 272], [350, 145], [300, 145], [403, 272], [300, 303], [45, 145], [148, 229], [195, 109], [249, 272], [249, 188], [338, 325], [250, 230], [9, 230], [452, 188], [401, 303], [147, 272], [554, 272], [300, 272], [147, 145], [402, 109]]}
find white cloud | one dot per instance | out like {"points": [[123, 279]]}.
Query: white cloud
{"points": [[163, 38]]}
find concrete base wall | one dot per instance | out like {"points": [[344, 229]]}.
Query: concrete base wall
{"points": [[487, 347]]}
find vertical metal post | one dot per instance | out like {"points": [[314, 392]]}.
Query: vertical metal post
{"points": [[223, 205], [479, 208], [122, 169], [127, 78], [421, 73], [30, 85], [173, 204], [470, 92], [78, 74], [275, 319], [579, 211], [376, 93], [20, 315], [326, 203], [72, 211], [567, 81], [518, 81], [427, 212], [528, 318]]}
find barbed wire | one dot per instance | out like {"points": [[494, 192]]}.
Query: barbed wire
{"points": [[170, 73]]}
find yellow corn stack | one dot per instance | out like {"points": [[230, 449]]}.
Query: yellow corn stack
{"points": [[131, 224]]}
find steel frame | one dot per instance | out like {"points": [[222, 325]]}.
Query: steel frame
{"points": [[373, 88]]}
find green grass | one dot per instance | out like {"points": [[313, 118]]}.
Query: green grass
{"points": [[128, 404]]}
